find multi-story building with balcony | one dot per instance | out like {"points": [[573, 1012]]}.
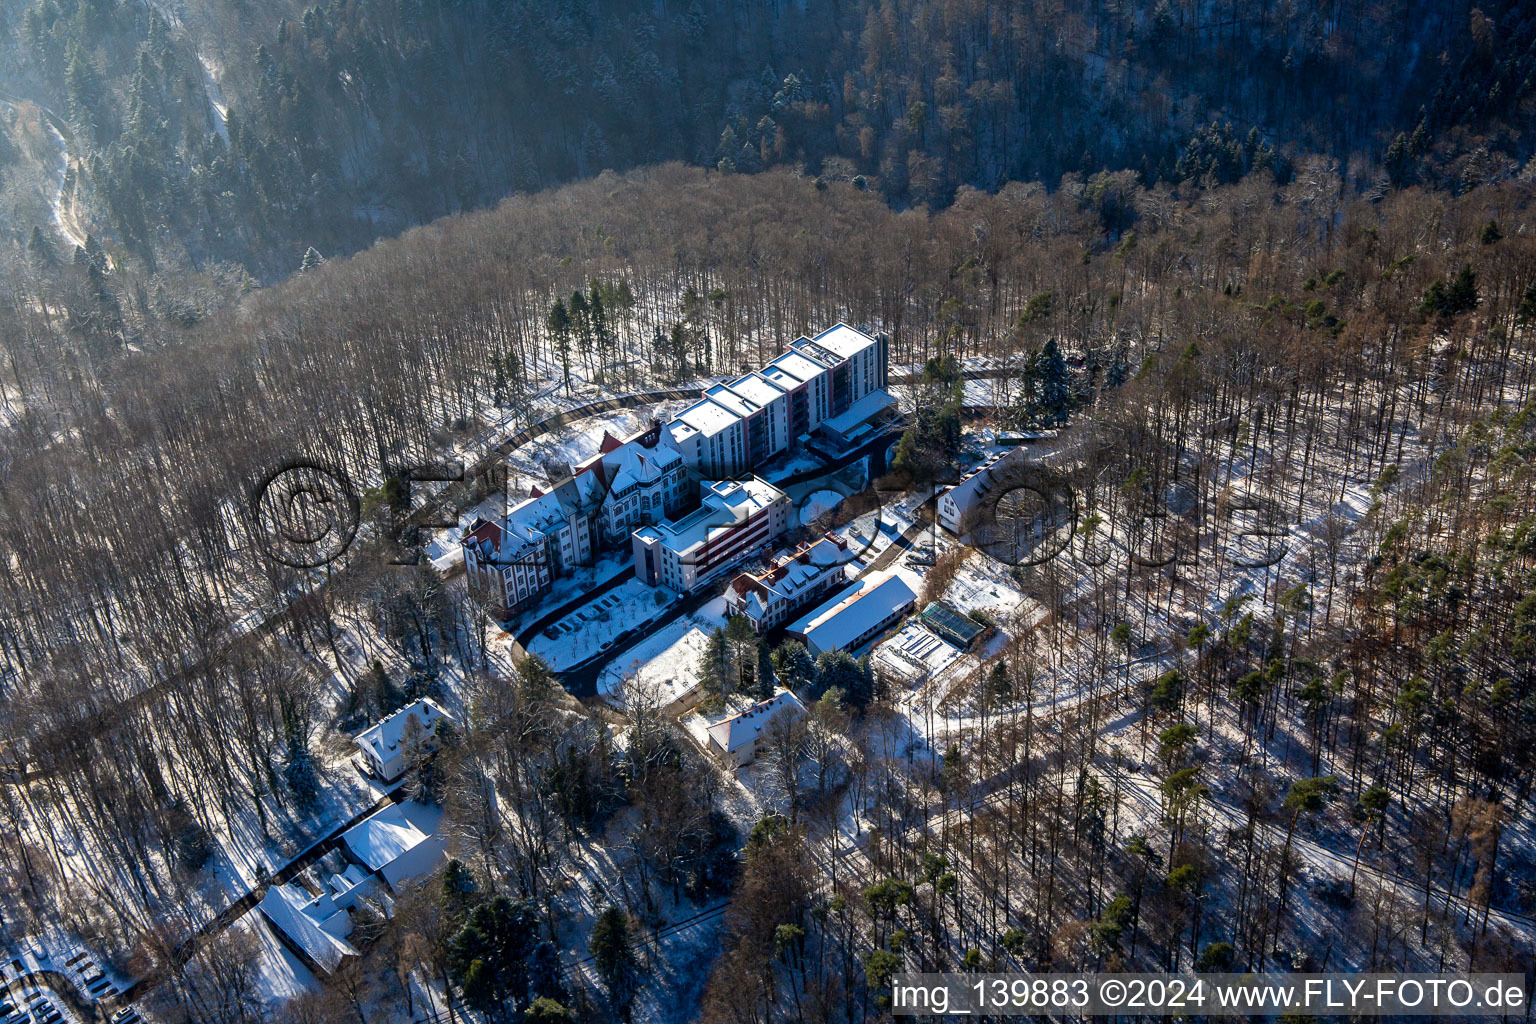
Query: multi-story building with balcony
{"points": [[738, 425], [737, 519]]}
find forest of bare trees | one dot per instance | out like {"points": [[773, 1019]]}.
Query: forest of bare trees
{"points": [[1295, 334]]}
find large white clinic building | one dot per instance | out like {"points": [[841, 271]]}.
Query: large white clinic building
{"points": [[740, 424]]}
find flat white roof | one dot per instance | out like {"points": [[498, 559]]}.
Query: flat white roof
{"points": [[756, 388], [730, 400], [844, 340], [706, 416], [799, 365], [780, 376], [727, 503], [848, 616]]}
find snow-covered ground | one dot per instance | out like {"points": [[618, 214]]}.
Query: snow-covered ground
{"points": [[279, 974], [592, 628], [817, 504], [799, 461], [667, 661], [983, 584]]}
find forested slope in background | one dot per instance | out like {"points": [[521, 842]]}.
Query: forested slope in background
{"points": [[231, 136]]}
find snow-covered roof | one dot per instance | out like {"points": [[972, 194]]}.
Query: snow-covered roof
{"points": [[506, 542], [734, 402], [724, 404], [781, 377], [844, 340], [634, 463], [817, 351], [830, 550], [312, 923], [705, 417], [848, 616], [574, 492], [789, 576], [383, 838], [975, 484], [727, 504], [799, 365], [757, 389], [741, 730], [348, 881], [383, 737], [860, 411]]}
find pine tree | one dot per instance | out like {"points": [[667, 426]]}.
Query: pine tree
{"points": [[611, 955], [39, 248], [488, 956], [845, 672], [581, 320], [301, 777], [793, 666], [558, 324], [544, 1010], [459, 890], [1046, 399], [715, 664], [1453, 297]]}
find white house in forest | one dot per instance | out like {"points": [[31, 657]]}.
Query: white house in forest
{"points": [[314, 928], [963, 503], [399, 842], [736, 740], [390, 747]]}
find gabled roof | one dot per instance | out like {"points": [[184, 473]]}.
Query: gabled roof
{"points": [[301, 916], [383, 838], [791, 574], [838, 622], [634, 463], [503, 542], [741, 730], [975, 484], [383, 737]]}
